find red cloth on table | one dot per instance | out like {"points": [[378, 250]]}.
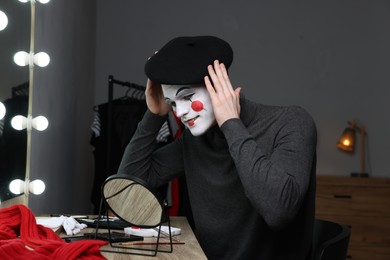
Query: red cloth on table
{"points": [[22, 238]]}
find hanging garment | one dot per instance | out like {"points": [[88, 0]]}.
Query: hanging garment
{"points": [[13, 146], [126, 113]]}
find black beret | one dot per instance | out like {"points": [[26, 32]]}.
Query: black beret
{"points": [[184, 60]]}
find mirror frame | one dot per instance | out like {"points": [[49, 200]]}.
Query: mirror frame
{"points": [[124, 190], [127, 183]]}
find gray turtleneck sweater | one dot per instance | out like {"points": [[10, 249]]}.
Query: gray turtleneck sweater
{"points": [[251, 182]]}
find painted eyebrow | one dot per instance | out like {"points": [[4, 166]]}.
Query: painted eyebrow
{"points": [[181, 89]]}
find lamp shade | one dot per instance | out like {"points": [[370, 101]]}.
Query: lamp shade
{"points": [[347, 139], [347, 143]]}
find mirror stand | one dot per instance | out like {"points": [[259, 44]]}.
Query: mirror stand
{"points": [[134, 250], [132, 201]]}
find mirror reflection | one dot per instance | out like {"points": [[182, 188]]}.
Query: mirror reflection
{"points": [[13, 93], [132, 201]]}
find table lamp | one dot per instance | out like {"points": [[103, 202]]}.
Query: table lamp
{"points": [[347, 143]]}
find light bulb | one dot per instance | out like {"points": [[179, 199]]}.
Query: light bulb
{"points": [[37, 187], [346, 142], [40, 123], [41, 1], [17, 186], [41, 59], [22, 58], [19, 122], [3, 20], [2, 110]]}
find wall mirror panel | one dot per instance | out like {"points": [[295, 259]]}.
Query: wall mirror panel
{"points": [[13, 93]]}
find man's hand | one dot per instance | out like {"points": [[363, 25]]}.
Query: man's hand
{"points": [[226, 100], [155, 99]]}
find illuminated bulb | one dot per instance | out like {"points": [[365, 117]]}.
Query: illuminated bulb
{"points": [[37, 187], [40, 123], [22, 58], [19, 122], [3, 20], [19, 186], [41, 59], [346, 142], [2, 110], [41, 1]]}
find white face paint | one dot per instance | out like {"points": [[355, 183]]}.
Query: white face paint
{"points": [[192, 104]]}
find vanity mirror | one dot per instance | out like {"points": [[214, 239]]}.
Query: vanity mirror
{"points": [[14, 95], [139, 205], [18, 122]]}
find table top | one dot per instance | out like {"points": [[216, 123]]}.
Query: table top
{"points": [[189, 250]]}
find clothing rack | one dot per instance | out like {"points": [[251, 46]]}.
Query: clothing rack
{"points": [[111, 83], [20, 90]]}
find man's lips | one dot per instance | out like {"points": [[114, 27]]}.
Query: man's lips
{"points": [[191, 121]]}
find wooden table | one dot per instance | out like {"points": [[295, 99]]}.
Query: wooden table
{"points": [[190, 250]]}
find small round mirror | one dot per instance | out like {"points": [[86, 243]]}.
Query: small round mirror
{"points": [[133, 201]]}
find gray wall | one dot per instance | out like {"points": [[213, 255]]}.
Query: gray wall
{"points": [[330, 57]]}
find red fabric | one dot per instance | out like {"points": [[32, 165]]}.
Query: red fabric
{"points": [[174, 208], [22, 238], [179, 131]]}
